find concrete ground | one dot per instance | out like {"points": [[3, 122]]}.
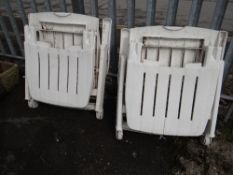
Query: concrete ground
{"points": [[55, 140], [61, 141]]}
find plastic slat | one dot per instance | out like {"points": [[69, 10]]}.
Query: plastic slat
{"points": [[44, 67], [161, 101], [189, 57], [176, 58], [171, 121], [184, 124], [68, 40], [204, 100], [148, 102], [73, 73], [54, 68], [58, 40], [64, 63], [134, 80], [164, 57]]}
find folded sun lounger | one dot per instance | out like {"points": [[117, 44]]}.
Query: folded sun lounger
{"points": [[66, 61], [169, 80]]}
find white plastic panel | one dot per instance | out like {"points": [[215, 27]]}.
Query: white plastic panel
{"points": [[66, 60], [171, 79], [58, 76], [60, 57], [182, 97]]}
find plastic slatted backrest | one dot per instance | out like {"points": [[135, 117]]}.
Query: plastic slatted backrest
{"points": [[171, 79], [60, 57]]}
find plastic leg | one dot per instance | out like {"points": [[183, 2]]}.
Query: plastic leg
{"points": [[99, 115], [206, 140], [32, 103], [119, 134]]}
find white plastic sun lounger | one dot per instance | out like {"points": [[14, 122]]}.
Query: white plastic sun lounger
{"points": [[170, 80], [66, 64]]}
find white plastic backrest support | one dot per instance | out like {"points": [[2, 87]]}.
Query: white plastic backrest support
{"points": [[106, 38], [106, 31], [124, 45], [30, 34], [88, 40], [166, 35], [90, 23], [63, 30]]}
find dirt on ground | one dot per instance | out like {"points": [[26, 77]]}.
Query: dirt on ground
{"points": [[217, 158], [62, 141]]}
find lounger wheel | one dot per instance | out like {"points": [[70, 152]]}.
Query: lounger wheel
{"points": [[207, 140], [119, 135], [32, 104], [99, 115]]}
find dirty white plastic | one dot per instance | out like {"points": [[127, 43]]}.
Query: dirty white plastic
{"points": [[66, 64], [169, 80]]}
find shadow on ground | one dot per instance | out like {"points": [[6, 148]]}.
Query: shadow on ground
{"points": [[55, 140]]}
